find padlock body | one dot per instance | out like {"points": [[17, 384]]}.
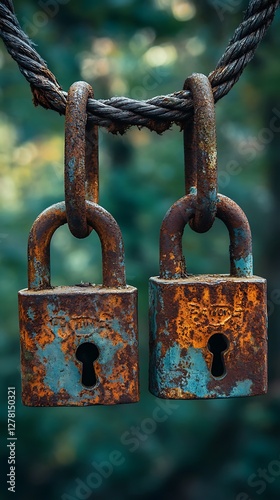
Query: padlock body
{"points": [[185, 314], [55, 322]]}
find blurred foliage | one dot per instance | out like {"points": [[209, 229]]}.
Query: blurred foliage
{"points": [[205, 450]]}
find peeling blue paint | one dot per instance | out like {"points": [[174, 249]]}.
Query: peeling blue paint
{"points": [[169, 368], [155, 373], [199, 376], [65, 326], [51, 309], [41, 272], [191, 371], [242, 388], [107, 351], [172, 358], [62, 373], [59, 373], [239, 235], [193, 190], [30, 314], [72, 169], [31, 317], [168, 275], [59, 316], [244, 266], [212, 195], [115, 325]]}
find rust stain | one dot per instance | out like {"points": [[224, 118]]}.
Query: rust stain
{"points": [[181, 321], [186, 312], [56, 321], [81, 159], [51, 374], [201, 153]]}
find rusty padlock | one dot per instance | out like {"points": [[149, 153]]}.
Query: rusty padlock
{"points": [[79, 344], [208, 333]]}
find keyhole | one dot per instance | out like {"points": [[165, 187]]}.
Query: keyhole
{"points": [[217, 345], [87, 353]]}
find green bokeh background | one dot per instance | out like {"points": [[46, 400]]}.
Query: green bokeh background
{"points": [[201, 450]]}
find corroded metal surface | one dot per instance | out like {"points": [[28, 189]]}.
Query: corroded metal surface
{"points": [[201, 153], [55, 216], [172, 262], [55, 321], [92, 163], [186, 311], [81, 159]]}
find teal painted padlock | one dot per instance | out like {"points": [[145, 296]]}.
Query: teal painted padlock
{"points": [[79, 344], [208, 333]]}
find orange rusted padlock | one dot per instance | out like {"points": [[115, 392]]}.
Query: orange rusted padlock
{"points": [[208, 333], [79, 344]]}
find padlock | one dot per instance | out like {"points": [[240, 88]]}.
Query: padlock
{"points": [[79, 344], [208, 333]]}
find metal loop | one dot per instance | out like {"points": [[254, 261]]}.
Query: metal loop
{"points": [[201, 153], [81, 159], [55, 216], [172, 262]]}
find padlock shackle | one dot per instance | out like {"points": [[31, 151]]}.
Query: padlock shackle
{"points": [[55, 216], [172, 262]]}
